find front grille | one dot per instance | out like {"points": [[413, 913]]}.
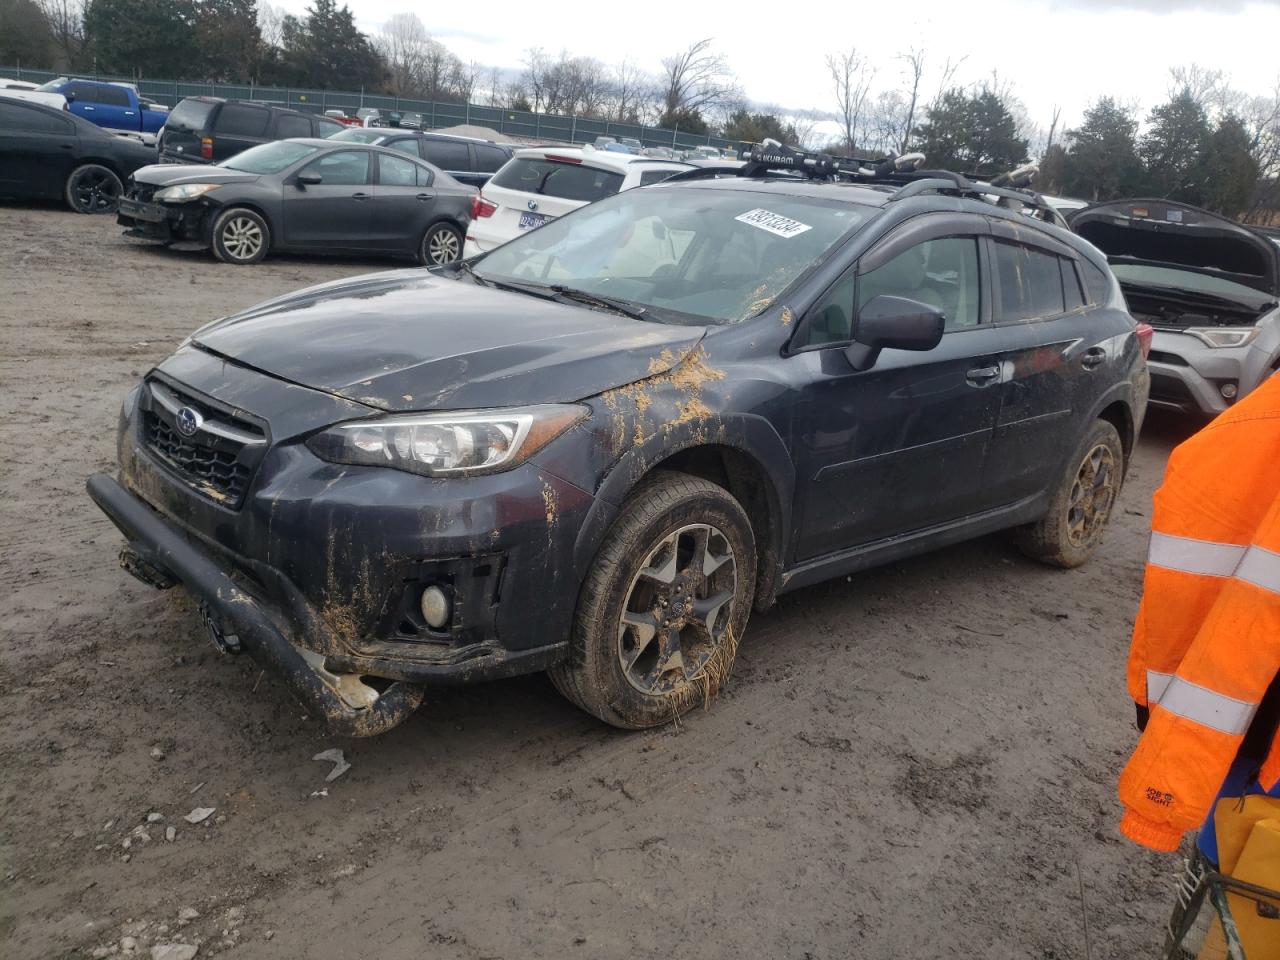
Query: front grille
{"points": [[218, 459], [1172, 391], [142, 192]]}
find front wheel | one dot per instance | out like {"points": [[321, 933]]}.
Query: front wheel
{"points": [[664, 605], [1081, 506], [240, 236], [442, 243], [93, 188]]}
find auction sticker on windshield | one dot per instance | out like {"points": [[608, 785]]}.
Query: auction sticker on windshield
{"points": [[773, 222]]}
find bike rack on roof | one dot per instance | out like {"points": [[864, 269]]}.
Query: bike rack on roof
{"points": [[771, 158]]}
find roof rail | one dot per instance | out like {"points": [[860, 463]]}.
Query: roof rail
{"points": [[1011, 188]]}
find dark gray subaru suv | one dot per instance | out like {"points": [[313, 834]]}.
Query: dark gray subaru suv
{"points": [[596, 449]]}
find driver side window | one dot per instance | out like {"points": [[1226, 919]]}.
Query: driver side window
{"points": [[942, 273]]}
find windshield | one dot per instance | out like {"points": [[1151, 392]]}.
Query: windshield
{"points": [[269, 157], [1184, 280], [53, 85], [705, 254], [359, 134]]}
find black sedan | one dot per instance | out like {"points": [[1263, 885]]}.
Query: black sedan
{"points": [[303, 195], [47, 154]]}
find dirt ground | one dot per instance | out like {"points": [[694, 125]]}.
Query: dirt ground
{"points": [[919, 762]]}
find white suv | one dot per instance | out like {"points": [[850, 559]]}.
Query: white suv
{"points": [[539, 184]]}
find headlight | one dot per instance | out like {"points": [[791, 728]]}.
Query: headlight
{"points": [[183, 192], [1223, 336], [448, 444]]}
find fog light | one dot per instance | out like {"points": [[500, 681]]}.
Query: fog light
{"points": [[1228, 391], [435, 607]]}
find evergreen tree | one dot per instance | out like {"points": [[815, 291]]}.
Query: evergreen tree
{"points": [[327, 50], [686, 119], [1173, 147], [141, 37], [1228, 172], [25, 37], [1102, 162], [228, 39], [971, 133], [755, 127]]}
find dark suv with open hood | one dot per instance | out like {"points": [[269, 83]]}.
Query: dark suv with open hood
{"points": [[594, 450], [1210, 288]]}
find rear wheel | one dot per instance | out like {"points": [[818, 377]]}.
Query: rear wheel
{"points": [[1081, 506], [442, 243], [240, 236], [662, 609], [93, 188]]}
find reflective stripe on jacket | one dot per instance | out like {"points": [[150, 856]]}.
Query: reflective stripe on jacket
{"points": [[1206, 644]]}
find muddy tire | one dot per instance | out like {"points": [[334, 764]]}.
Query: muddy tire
{"points": [[442, 243], [664, 605], [240, 236], [93, 188], [1081, 506]]}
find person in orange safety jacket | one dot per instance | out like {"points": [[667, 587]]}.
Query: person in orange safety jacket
{"points": [[1206, 644]]}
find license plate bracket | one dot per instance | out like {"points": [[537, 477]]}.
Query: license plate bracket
{"points": [[532, 221]]}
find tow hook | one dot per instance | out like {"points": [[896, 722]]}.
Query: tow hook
{"points": [[131, 562], [227, 643]]}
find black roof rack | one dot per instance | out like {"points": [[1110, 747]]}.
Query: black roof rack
{"points": [[1009, 190]]}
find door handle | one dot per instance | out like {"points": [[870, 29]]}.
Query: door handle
{"points": [[88, 109], [359, 196], [67, 146], [982, 376], [128, 113], [1093, 357], [425, 196]]}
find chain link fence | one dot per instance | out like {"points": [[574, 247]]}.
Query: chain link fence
{"points": [[435, 113]]}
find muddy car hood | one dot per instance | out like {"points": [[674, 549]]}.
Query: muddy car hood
{"points": [[1166, 234], [411, 340]]}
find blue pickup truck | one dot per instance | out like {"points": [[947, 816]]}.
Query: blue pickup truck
{"points": [[115, 106]]}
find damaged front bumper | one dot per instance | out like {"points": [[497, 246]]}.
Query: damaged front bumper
{"points": [[156, 551], [163, 223]]}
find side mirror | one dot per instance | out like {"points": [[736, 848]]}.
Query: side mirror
{"points": [[69, 96], [893, 323], [309, 180]]}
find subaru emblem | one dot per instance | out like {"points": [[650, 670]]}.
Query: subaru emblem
{"points": [[533, 204], [188, 421]]}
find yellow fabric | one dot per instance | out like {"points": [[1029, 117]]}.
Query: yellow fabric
{"points": [[1234, 819], [1259, 864]]}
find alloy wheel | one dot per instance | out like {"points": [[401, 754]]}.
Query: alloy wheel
{"points": [[442, 246], [242, 238], [1092, 494], [97, 191], [677, 609]]}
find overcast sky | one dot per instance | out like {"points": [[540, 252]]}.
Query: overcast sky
{"points": [[1056, 52]]}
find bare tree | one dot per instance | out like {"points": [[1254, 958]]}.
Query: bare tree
{"points": [[271, 26], [695, 78], [631, 89], [464, 78], [404, 42], [66, 23], [851, 74], [494, 83], [1053, 128], [915, 71]]}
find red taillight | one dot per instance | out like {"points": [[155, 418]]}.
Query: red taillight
{"points": [[206, 148], [559, 159], [1145, 332], [481, 207]]}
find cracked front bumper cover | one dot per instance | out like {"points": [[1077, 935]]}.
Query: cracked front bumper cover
{"points": [[347, 711]]}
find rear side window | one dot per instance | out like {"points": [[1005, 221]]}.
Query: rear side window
{"points": [[327, 128], [554, 178], [287, 126], [238, 120], [1096, 282], [112, 96], [407, 145], [15, 117], [655, 176], [1030, 283], [490, 159], [447, 155], [344, 168], [396, 171], [190, 115], [1071, 292], [82, 92]]}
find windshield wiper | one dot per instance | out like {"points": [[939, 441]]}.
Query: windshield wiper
{"points": [[470, 271], [627, 308]]}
